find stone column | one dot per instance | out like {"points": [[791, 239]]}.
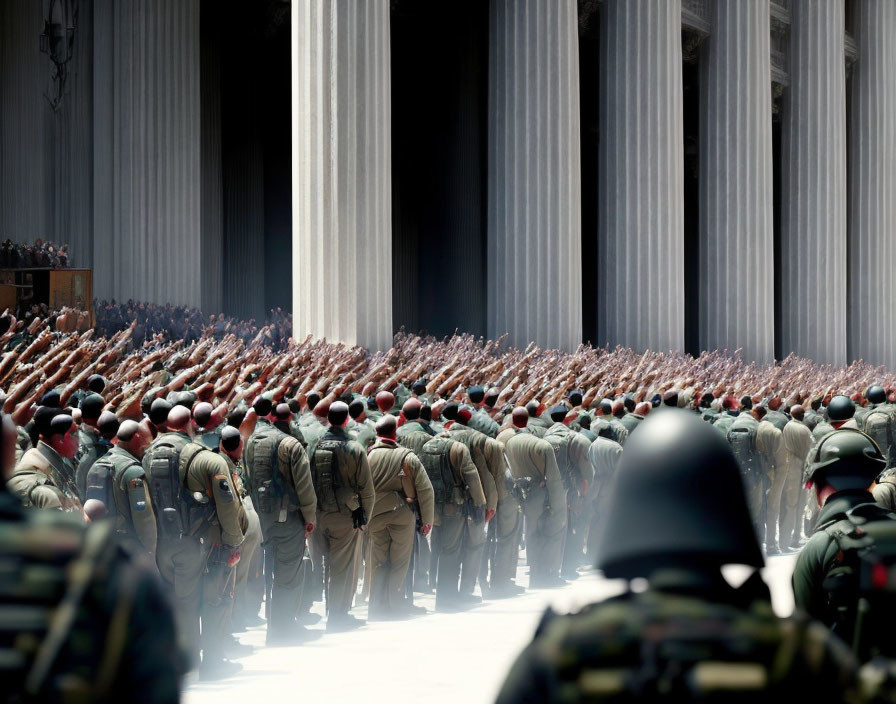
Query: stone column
{"points": [[534, 176], [813, 171], [147, 242], [736, 246], [872, 185], [640, 271], [342, 171]]}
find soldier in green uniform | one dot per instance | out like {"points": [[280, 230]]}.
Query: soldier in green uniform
{"points": [[828, 579], [345, 500], [403, 492], [119, 481], [98, 627], [689, 636], [44, 477], [280, 484], [91, 442]]}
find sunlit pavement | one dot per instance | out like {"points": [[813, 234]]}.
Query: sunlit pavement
{"points": [[436, 658]]}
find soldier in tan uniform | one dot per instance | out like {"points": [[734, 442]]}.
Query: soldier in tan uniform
{"points": [[345, 500], [796, 439], [403, 490], [534, 467], [280, 485], [197, 552], [769, 448], [44, 477]]}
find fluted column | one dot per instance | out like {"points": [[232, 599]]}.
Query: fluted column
{"points": [[813, 171], [534, 175], [342, 171], [736, 246], [147, 192], [872, 185], [640, 269]]}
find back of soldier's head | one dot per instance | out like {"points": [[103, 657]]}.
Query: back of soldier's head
{"points": [[92, 407], [426, 413], [678, 502], [476, 394], [585, 421], [202, 414], [337, 414], [411, 409], [450, 411], [520, 417], [386, 426], [558, 413], [532, 409], [357, 408], [312, 399]]}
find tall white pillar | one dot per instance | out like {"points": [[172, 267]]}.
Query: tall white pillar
{"points": [[147, 241], [534, 175], [640, 267], [872, 185], [813, 171], [736, 245], [342, 171]]}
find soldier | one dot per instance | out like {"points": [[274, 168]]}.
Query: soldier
{"points": [[534, 467], [742, 438], [571, 453], [281, 488], [99, 628], [584, 423], [796, 439], [345, 499], [604, 454], [361, 429], [770, 452], [878, 421], [208, 430], [633, 419], [459, 500], [119, 481], [415, 431], [404, 497], [839, 568], [43, 478], [689, 635], [385, 402], [199, 533], [480, 420], [538, 425], [231, 449], [91, 443]]}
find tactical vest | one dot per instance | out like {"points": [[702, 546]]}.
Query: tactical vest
{"points": [[559, 439], [743, 444], [325, 474], [436, 460], [166, 464], [861, 586], [270, 491], [100, 485]]}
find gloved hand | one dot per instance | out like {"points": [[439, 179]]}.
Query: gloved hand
{"points": [[359, 519]]}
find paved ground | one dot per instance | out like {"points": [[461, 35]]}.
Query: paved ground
{"points": [[439, 658]]}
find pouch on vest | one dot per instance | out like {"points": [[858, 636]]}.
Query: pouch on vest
{"points": [[166, 491], [436, 462], [99, 486], [266, 482], [325, 474]]}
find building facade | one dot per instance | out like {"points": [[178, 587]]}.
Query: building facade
{"points": [[664, 174]]}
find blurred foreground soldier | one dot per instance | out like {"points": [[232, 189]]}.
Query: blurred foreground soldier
{"points": [[119, 481], [199, 533], [86, 623], [571, 452], [91, 443], [689, 636], [280, 485], [535, 471], [43, 478], [345, 500], [404, 498], [843, 575]]}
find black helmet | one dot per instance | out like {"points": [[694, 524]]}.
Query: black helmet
{"points": [[841, 408], [679, 500], [846, 459], [876, 394]]}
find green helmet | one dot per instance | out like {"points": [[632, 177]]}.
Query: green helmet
{"points": [[845, 459], [876, 394], [679, 501]]}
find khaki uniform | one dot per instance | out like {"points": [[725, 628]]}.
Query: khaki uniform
{"points": [[533, 464], [796, 439], [43, 479], [414, 435], [131, 508], [507, 525], [282, 519], [770, 446], [484, 423], [249, 547], [400, 482], [337, 537], [196, 566], [604, 455], [572, 450]]}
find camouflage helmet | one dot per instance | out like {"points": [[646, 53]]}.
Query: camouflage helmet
{"points": [[679, 500], [841, 408], [876, 394], [845, 459]]}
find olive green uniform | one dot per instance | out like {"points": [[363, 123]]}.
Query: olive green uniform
{"points": [[43, 479], [282, 518], [337, 538], [414, 435], [91, 447], [534, 466], [364, 433], [249, 547], [115, 639], [400, 482]]}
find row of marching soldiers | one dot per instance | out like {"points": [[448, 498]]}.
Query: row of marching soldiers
{"points": [[291, 503]]}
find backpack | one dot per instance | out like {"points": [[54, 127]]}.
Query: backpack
{"points": [[100, 479], [266, 482], [436, 461], [325, 474], [861, 587], [878, 425], [743, 445], [172, 502]]}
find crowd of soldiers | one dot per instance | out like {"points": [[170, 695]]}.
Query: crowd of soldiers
{"points": [[252, 480]]}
